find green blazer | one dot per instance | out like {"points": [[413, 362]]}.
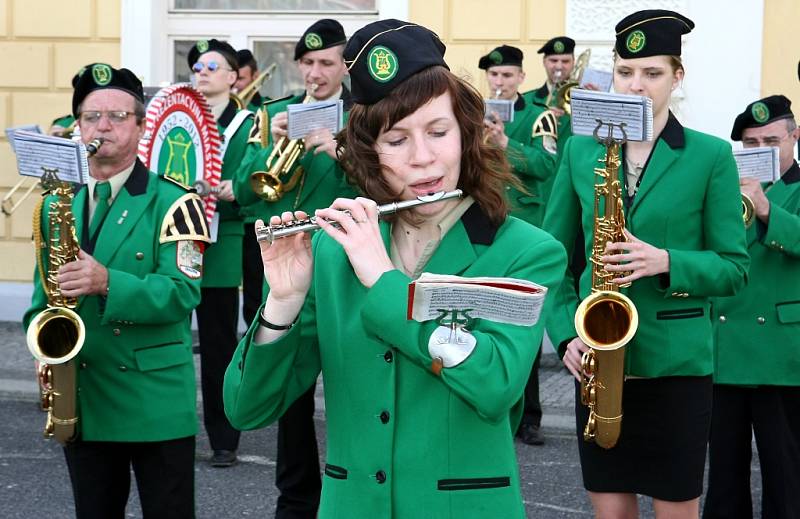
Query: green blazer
{"points": [[689, 204], [324, 178], [444, 444], [757, 332], [135, 370], [535, 166], [539, 97], [223, 259]]}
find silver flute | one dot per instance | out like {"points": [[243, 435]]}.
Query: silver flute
{"points": [[275, 232]]}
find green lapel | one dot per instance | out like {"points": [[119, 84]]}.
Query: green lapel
{"points": [[662, 158], [123, 214], [78, 209]]}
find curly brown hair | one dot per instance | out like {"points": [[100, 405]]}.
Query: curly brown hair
{"points": [[484, 173]]}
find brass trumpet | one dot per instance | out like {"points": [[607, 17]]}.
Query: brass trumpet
{"points": [[243, 98], [561, 96], [269, 185], [748, 211]]}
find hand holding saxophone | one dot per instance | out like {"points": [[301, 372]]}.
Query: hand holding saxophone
{"points": [[83, 277], [637, 258], [752, 188], [358, 233], [574, 355]]}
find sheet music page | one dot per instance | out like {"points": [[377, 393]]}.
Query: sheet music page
{"points": [[636, 112], [761, 163], [503, 107], [35, 128], [600, 78], [503, 300], [305, 117], [36, 151]]}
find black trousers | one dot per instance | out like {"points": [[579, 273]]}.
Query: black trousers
{"points": [[217, 318], [773, 414], [297, 472], [100, 473], [532, 407], [253, 274]]}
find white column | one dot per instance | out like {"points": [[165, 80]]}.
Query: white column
{"points": [[143, 38]]}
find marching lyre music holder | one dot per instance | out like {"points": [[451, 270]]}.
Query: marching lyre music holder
{"points": [[609, 138]]}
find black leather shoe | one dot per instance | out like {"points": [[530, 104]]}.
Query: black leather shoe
{"points": [[223, 458], [530, 434]]}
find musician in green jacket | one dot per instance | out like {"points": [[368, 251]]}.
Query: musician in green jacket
{"points": [[757, 346], [137, 278], [318, 181], [530, 143], [685, 243], [558, 60], [416, 426], [214, 65]]}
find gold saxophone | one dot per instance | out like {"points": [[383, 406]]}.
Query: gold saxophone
{"points": [[56, 335], [270, 184], [606, 320]]}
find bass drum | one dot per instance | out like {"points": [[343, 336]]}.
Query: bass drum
{"points": [[181, 141]]}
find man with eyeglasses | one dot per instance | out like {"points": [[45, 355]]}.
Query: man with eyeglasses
{"points": [[757, 347], [319, 56], [215, 65], [137, 277]]}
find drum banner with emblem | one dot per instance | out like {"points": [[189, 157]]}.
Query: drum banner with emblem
{"points": [[181, 141]]}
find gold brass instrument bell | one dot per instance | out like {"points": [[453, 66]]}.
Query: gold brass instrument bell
{"points": [[278, 178], [243, 98], [561, 96], [748, 211]]}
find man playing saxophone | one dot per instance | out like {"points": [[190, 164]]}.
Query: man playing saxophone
{"points": [[534, 165], [318, 181], [756, 380], [137, 279]]}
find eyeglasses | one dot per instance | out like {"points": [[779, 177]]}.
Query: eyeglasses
{"points": [[114, 116], [212, 66]]}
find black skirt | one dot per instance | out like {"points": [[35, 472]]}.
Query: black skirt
{"points": [[661, 450]]}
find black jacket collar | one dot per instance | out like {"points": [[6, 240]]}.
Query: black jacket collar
{"points": [[672, 133], [479, 228], [792, 174], [228, 115], [542, 92], [137, 181], [347, 99], [519, 104]]}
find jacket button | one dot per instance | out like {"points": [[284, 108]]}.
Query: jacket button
{"points": [[123, 368], [140, 255], [380, 476], [384, 417], [388, 356], [83, 365], [722, 318], [115, 331], [761, 320]]}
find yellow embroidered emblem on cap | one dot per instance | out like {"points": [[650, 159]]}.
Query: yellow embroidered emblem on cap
{"points": [[760, 112], [382, 63], [101, 73], [635, 41]]}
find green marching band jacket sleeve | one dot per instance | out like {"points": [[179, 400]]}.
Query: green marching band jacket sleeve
{"points": [[262, 380]]}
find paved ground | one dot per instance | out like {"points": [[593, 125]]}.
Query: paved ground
{"points": [[34, 480]]}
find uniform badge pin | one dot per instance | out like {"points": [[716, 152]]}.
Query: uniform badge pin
{"points": [[122, 218]]}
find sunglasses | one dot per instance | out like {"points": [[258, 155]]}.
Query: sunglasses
{"points": [[212, 66]]}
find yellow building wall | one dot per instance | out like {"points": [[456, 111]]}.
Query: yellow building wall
{"points": [[781, 50], [44, 43], [472, 28]]}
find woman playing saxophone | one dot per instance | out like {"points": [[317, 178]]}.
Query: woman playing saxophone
{"points": [[684, 242]]}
